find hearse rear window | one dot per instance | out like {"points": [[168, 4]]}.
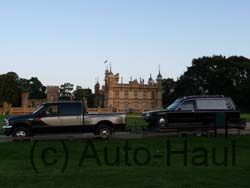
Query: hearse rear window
{"points": [[213, 104]]}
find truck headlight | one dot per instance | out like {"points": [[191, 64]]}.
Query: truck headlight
{"points": [[6, 122], [145, 116]]}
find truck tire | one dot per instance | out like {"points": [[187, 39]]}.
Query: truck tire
{"points": [[161, 121], [104, 131], [20, 132]]}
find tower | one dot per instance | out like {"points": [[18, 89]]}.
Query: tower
{"points": [[52, 93], [111, 80], [159, 89], [25, 99]]}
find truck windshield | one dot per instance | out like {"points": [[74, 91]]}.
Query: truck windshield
{"points": [[38, 109], [174, 104]]}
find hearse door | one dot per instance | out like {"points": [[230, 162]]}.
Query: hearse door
{"points": [[71, 117], [184, 116], [48, 120]]}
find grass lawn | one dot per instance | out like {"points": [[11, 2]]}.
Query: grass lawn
{"points": [[16, 169], [247, 116], [1, 124]]}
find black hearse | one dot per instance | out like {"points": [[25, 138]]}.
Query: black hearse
{"points": [[196, 113]]}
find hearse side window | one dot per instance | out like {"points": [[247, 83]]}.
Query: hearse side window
{"points": [[187, 106], [213, 104], [70, 109]]}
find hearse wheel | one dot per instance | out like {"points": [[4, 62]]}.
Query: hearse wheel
{"points": [[198, 132], [20, 132], [104, 131]]}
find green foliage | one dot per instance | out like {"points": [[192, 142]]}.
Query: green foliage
{"points": [[33, 86], [36, 89], [168, 86], [217, 75], [11, 87], [81, 93], [66, 91], [9, 91], [86, 94]]}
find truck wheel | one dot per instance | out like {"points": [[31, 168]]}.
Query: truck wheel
{"points": [[104, 131], [161, 121], [20, 132]]}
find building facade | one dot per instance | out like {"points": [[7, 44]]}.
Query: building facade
{"points": [[135, 96]]}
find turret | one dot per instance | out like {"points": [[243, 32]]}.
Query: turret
{"points": [[150, 80]]}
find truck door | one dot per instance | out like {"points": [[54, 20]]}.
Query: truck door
{"points": [[50, 116], [71, 116], [47, 120]]}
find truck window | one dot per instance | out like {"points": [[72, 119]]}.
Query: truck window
{"points": [[213, 104], [187, 106], [70, 109], [51, 111]]}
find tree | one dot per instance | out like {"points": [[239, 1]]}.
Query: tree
{"points": [[36, 89], [168, 86], [9, 91], [23, 85], [66, 91], [80, 94], [217, 75]]}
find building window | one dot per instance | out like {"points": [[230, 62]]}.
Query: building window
{"points": [[144, 95], [117, 94], [136, 105], [135, 94], [126, 94], [153, 95], [126, 106], [116, 106], [153, 105]]}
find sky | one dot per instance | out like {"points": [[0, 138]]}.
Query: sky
{"points": [[62, 41]]}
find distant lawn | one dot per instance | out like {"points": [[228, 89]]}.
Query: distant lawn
{"points": [[16, 168], [135, 119], [1, 124], [247, 116], [135, 122]]}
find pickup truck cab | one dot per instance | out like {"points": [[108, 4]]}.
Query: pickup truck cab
{"points": [[196, 113], [61, 117]]}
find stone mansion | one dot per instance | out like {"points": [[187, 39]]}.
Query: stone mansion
{"points": [[135, 96]]}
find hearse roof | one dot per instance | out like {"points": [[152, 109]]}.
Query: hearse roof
{"points": [[202, 96], [62, 102]]}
